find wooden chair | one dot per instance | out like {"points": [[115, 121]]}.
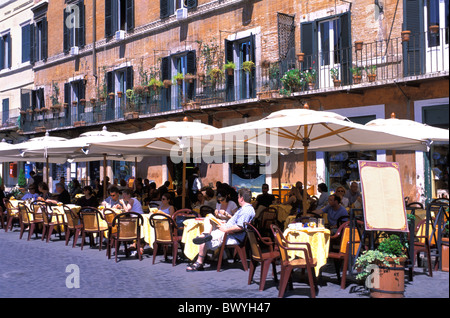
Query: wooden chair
{"points": [[27, 219], [268, 216], [342, 250], [50, 220], [421, 245], [180, 216], [165, 235], [11, 215], [238, 249], [73, 225], [128, 230], [308, 262], [91, 219], [258, 256]]}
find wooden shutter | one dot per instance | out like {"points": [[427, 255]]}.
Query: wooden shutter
{"points": [[9, 50], [308, 43], [2, 52], [164, 8], [26, 43], [166, 74], [130, 14], [32, 41], [129, 77], [345, 46], [44, 42], [191, 67], [80, 32], [229, 83], [108, 18], [414, 49], [66, 32]]}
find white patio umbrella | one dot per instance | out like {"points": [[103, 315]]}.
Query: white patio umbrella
{"points": [[168, 138], [410, 128], [303, 130]]}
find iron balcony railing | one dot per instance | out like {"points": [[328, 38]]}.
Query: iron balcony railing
{"points": [[362, 65]]}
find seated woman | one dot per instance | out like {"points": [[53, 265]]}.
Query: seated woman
{"points": [[340, 191], [324, 194], [295, 200], [89, 198], [129, 203], [225, 208], [166, 204]]}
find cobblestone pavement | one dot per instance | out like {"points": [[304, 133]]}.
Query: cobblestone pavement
{"points": [[34, 268]]}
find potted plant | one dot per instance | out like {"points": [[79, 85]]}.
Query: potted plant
{"points": [[111, 95], [358, 45], [310, 77], [247, 66], [434, 28], [201, 77], [406, 35], [357, 74], [188, 77], [215, 73], [178, 78], [93, 100], [292, 81], [300, 57], [383, 268], [229, 67], [119, 94], [371, 72], [334, 72], [167, 83], [155, 84]]}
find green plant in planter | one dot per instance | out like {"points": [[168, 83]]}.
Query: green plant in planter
{"points": [[130, 93], [310, 75], [334, 72], [154, 82], [391, 247], [215, 73], [292, 80], [356, 71], [228, 65], [178, 78], [371, 70], [247, 66]]}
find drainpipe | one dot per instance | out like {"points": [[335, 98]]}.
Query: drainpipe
{"points": [[94, 39]]}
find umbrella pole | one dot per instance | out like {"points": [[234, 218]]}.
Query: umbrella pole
{"points": [[183, 201], [305, 142], [104, 176], [46, 169]]}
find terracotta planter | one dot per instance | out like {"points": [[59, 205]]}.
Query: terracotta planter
{"points": [[311, 86], [371, 77], [93, 100], [390, 281], [179, 81], [119, 94], [300, 57], [201, 77], [406, 35], [230, 71], [356, 79], [434, 29], [111, 95], [167, 83], [337, 83], [265, 64], [358, 45]]}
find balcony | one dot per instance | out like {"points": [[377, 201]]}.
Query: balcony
{"points": [[370, 65]]}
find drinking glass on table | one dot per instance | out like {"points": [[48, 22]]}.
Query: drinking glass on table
{"points": [[312, 222], [320, 223]]}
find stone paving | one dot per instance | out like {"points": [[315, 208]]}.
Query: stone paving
{"points": [[31, 269]]}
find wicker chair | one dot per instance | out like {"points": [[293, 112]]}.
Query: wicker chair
{"points": [[165, 235], [128, 227]]}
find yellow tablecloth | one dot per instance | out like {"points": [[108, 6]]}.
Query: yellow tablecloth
{"points": [[147, 231], [192, 229], [319, 239]]}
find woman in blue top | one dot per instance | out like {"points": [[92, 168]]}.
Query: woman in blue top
{"points": [[166, 204]]}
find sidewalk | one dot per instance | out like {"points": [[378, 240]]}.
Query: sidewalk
{"points": [[34, 268]]}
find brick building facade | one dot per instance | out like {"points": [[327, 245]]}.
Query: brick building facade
{"points": [[87, 54]]}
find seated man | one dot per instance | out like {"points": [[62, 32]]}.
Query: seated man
{"points": [[334, 210], [212, 237], [31, 194], [63, 195], [263, 200], [113, 201]]}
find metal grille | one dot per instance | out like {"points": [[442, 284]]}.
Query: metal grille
{"points": [[286, 34]]}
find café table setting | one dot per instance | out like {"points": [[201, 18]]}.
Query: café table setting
{"points": [[314, 233]]}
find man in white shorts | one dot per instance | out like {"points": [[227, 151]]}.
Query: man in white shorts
{"points": [[212, 236]]}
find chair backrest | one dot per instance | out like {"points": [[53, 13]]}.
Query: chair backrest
{"points": [[72, 219], [25, 214], [9, 207], [163, 226], [90, 217], [255, 239], [109, 215], [268, 216], [128, 225], [418, 205], [204, 210], [280, 241], [344, 233], [37, 207]]}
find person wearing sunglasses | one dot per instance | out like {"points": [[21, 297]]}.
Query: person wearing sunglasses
{"points": [[340, 191], [225, 208], [166, 204]]}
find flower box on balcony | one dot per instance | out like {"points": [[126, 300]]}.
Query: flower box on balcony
{"points": [[131, 115], [79, 123], [56, 107], [191, 105], [266, 95]]}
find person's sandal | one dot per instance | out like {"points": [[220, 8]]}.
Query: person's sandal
{"points": [[202, 239], [195, 267]]}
